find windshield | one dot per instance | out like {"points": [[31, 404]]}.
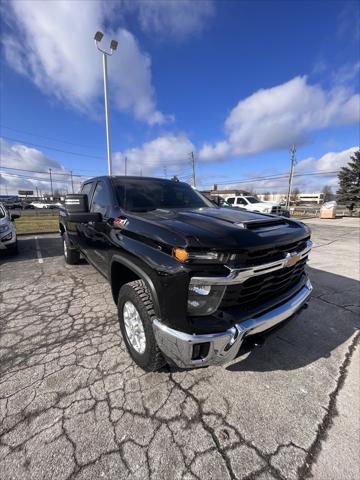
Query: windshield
{"points": [[141, 195], [2, 212], [253, 200]]}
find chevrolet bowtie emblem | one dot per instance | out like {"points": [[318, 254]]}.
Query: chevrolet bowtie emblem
{"points": [[292, 260]]}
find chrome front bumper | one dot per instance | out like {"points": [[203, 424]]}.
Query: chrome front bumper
{"points": [[224, 346]]}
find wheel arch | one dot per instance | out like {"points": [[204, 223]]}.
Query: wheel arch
{"points": [[123, 271]]}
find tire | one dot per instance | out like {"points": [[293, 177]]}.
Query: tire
{"points": [[136, 293], [71, 255]]}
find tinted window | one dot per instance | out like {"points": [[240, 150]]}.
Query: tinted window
{"points": [[253, 200], [231, 201], [2, 212], [101, 200], [86, 188], [240, 201], [144, 195]]}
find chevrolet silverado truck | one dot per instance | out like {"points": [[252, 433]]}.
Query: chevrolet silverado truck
{"points": [[191, 281], [253, 204]]}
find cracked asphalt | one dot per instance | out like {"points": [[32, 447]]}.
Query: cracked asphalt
{"points": [[73, 405]]}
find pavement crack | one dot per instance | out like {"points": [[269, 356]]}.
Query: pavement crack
{"points": [[304, 471]]}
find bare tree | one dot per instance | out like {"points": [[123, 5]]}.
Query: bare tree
{"points": [[328, 193], [267, 196], [295, 195]]}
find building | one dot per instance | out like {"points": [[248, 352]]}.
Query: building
{"points": [[272, 197], [224, 193], [311, 198]]}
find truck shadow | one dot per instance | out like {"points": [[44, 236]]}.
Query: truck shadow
{"points": [[50, 246], [332, 318]]}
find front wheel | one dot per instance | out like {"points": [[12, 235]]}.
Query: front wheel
{"points": [[71, 255], [135, 311]]}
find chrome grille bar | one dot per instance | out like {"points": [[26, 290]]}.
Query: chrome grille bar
{"points": [[240, 275]]}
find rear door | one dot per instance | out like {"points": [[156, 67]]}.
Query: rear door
{"points": [[77, 232], [97, 233]]}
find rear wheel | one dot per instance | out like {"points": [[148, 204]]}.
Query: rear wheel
{"points": [[71, 255], [136, 314]]}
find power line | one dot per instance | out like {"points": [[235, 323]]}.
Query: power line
{"points": [[52, 148], [45, 137], [35, 171], [43, 179], [275, 177]]}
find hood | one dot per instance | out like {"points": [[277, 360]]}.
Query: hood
{"points": [[216, 228], [4, 221]]}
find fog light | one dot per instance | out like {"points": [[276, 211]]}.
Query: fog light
{"points": [[200, 289], [204, 299]]}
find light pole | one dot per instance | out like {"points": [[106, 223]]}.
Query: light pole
{"points": [[113, 46]]}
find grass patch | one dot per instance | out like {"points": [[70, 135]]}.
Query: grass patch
{"points": [[37, 224]]}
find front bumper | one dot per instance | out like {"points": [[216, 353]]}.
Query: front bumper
{"points": [[5, 241], [223, 347]]}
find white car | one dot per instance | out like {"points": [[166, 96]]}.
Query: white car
{"points": [[8, 239], [253, 204], [39, 205]]}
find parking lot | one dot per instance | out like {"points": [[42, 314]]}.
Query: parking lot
{"points": [[73, 405]]}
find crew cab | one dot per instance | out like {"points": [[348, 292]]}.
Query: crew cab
{"points": [[191, 280], [253, 204]]}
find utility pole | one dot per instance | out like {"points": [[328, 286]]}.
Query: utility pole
{"points": [[193, 169], [72, 182], [291, 174], [37, 193], [51, 184], [165, 170], [113, 46], [125, 166]]}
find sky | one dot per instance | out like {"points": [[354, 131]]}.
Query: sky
{"points": [[235, 82]]}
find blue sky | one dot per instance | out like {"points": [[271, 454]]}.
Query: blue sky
{"points": [[235, 82]]}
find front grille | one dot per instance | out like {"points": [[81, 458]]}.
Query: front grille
{"points": [[276, 210], [267, 255], [257, 290]]}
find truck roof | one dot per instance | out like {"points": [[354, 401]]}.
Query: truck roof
{"points": [[128, 177]]}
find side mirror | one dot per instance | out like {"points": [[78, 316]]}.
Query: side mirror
{"points": [[77, 203], [14, 216]]}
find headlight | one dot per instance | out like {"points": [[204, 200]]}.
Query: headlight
{"points": [[7, 237], [204, 299], [4, 228], [200, 257]]}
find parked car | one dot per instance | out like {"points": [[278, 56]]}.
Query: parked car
{"points": [[8, 239], [191, 280], [253, 204], [39, 205], [27, 206], [13, 206]]}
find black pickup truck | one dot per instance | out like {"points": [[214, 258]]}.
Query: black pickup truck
{"points": [[191, 280]]}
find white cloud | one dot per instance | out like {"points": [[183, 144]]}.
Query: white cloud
{"points": [[176, 19], [168, 151], [331, 161], [276, 117], [52, 44], [19, 156]]}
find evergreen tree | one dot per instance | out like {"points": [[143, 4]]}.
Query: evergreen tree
{"points": [[349, 181]]}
